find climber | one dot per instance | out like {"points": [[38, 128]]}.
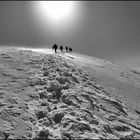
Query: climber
{"points": [[70, 49], [66, 49], [61, 48], [55, 47]]}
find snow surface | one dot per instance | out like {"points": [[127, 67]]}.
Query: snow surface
{"points": [[44, 95], [114, 76]]}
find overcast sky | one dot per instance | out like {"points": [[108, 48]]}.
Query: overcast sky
{"points": [[108, 30]]}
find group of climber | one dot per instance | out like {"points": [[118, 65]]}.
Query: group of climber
{"points": [[55, 47]]}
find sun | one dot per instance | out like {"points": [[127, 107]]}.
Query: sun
{"points": [[57, 10], [58, 19]]}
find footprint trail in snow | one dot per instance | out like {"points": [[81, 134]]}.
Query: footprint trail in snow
{"points": [[45, 96]]}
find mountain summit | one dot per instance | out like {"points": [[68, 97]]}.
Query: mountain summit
{"points": [[66, 96]]}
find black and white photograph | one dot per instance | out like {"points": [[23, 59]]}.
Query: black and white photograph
{"points": [[69, 70]]}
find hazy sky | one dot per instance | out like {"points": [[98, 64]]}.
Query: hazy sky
{"points": [[108, 30]]}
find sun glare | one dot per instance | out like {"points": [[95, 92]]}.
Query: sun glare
{"points": [[57, 10], [59, 19]]}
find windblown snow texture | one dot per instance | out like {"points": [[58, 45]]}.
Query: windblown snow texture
{"points": [[45, 96]]}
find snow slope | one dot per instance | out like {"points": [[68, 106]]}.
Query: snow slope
{"points": [[123, 81], [66, 95]]}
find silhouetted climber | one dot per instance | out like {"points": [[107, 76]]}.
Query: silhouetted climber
{"points": [[70, 49], [61, 48], [66, 49], [55, 47]]}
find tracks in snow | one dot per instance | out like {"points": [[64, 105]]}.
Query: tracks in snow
{"points": [[60, 100]]}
